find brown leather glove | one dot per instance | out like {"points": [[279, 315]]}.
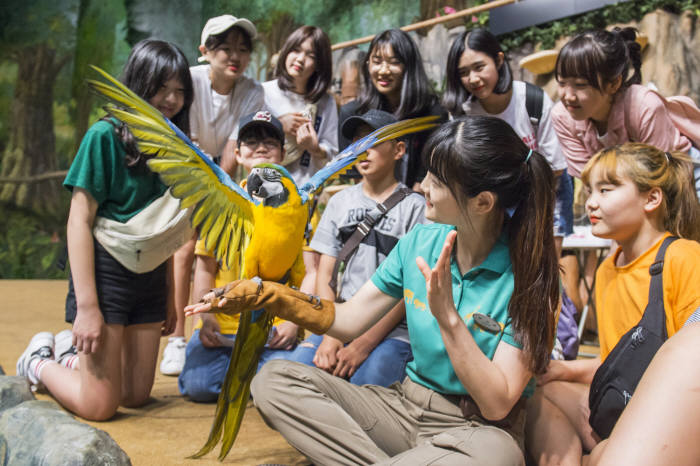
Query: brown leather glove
{"points": [[308, 311]]}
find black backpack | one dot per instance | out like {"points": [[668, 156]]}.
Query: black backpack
{"points": [[534, 101], [616, 379]]}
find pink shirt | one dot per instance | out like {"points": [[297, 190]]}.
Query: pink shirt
{"points": [[648, 121]]}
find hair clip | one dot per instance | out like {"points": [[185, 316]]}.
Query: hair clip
{"points": [[528, 156], [668, 157]]}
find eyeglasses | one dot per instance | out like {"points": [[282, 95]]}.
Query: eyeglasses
{"points": [[268, 143], [392, 63]]}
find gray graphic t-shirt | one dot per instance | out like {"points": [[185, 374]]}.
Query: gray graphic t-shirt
{"points": [[340, 218]]}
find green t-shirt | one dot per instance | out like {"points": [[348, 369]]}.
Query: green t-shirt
{"points": [[99, 168], [486, 289]]}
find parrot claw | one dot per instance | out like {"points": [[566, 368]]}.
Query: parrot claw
{"points": [[259, 281], [315, 301]]}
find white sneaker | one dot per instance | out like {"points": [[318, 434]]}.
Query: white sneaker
{"points": [[40, 346], [173, 356], [63, 345]]}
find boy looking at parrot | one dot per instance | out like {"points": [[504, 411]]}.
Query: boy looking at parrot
{"points": [[261, 140], [379, 356]]}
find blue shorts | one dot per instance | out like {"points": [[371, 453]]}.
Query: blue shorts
{"points": [[564, 206], [125, 297]]}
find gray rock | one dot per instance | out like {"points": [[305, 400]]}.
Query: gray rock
{"points": [[41, 433], [13, 391]]}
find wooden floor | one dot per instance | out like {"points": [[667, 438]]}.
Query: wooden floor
{"points": [[166, 430]]}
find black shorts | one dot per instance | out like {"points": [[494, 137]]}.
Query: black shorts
{"points": [[125, 297]]}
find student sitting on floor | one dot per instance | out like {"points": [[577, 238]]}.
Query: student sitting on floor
{"points": [[209, 350], [378, 356], [639, 197]]}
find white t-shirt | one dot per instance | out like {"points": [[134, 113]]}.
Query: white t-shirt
{"points": [[280, 102], [545, 141], [214, 117]]}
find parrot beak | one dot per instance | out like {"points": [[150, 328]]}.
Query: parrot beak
{"points": [[254, 184]]}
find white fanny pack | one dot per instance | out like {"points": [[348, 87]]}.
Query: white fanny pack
{"points": [[148, 238]]}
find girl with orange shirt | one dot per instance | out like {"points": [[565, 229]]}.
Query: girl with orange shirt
{"points": [[639, 195]]}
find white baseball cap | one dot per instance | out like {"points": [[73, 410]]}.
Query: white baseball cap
{"points": [[219, 24]]}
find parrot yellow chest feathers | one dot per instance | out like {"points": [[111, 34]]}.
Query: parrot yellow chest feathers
{"points": [[277, 240]]}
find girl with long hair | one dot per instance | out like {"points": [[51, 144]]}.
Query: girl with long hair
{"points": [[118, 314], [395, 82], [299, 99]]}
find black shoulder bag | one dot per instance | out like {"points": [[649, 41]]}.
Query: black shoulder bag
{"points": [[363, 228], [617, 378]]}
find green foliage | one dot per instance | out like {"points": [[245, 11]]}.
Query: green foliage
{"points": [[24, 23], [64, 130], [8, 71], [27, 248], [340, 19], [547, 34]]}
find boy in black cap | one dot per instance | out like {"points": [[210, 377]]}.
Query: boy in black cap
{"points": [[379, 356], [260, 140]]}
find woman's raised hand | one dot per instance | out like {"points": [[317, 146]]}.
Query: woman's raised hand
{"points": [[438, 280]]}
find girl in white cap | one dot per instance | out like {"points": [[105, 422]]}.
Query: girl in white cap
{"points": [[222, 94]]}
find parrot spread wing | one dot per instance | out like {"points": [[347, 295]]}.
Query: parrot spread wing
{"points": [[358, 150], [222, 210]]}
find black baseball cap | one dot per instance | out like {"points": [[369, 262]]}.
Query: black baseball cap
{"points": [[375, 119], [261, 118]]}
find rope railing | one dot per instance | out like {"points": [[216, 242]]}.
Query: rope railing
{"points": [[430, 22]]}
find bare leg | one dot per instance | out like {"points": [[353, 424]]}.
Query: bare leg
{"points": [[139, 357], [183, 259], [94, 391], [549, 436], [572, 399]]}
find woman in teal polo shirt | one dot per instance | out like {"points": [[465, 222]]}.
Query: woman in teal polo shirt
{"points": [[481, 289]]}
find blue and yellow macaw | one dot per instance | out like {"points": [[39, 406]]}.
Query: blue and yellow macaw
{"points": [[269, 232]]}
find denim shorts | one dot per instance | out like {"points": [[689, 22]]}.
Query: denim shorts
{"points": [[125, 297], [564, 206]]}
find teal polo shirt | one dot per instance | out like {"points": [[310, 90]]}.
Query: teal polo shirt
{"points": [[485, 289], [99, 168]]}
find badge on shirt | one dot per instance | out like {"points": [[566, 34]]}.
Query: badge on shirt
{"points": [[485, 322]]}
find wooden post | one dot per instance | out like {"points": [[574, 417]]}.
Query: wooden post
{"points": [[430, 22]]}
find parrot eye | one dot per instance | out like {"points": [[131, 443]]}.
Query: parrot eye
{"points": [[270, 174]]}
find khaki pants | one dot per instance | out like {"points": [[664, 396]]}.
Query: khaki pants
{"points": [[334, 422]]}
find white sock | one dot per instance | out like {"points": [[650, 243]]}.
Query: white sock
{"points": [[37, 365], [71, 362]]}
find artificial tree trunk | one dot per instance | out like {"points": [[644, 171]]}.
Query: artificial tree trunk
{"points": [[31, 147]]}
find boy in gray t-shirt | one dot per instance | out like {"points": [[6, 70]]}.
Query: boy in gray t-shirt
{"points": [[378, 356]]}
